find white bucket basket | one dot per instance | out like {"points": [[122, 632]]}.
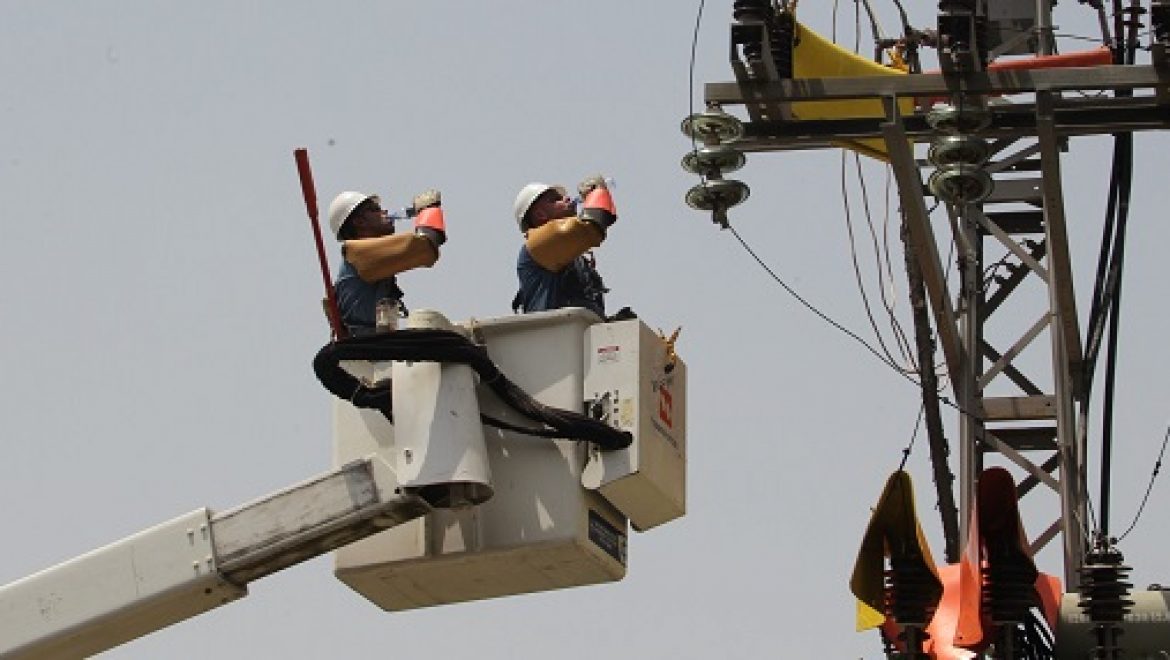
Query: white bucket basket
{"points": [[438, 436]]}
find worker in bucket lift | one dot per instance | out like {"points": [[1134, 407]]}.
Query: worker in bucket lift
{"points": [[368, 296], [556, 266]]}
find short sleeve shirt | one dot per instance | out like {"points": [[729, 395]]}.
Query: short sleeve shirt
{"points": [[576, 285], [357, 299]]}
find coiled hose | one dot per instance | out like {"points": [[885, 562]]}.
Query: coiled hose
{"points": [[431, 345]]}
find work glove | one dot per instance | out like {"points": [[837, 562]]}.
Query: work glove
{"points": [[426, 199], [589, 184], [597, 203], [428, 220]]}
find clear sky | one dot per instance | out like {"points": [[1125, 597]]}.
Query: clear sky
{"points": [[160, 299]]}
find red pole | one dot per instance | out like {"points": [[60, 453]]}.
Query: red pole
{"points": [[310, 192]]}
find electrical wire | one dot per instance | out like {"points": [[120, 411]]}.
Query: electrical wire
{"points": [[1076, 37], [1149, 487], [1106, 300], [691, 78], [1008, 30], [857, 267], [885, 280], [913, 436], [883, 256], [812, 308], [1124, 177], [847, 332], [1125, 148], [897, 331], [899, 334]]}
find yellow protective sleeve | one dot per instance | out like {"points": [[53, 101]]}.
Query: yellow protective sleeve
{"points": [[378, 258], [893, 527], [556, 243], [816, 57]]}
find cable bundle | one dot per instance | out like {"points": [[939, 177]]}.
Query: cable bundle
{"points": [[429, 345]]}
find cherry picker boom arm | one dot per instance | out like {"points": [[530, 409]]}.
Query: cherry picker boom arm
{"points": [[195, 563]]}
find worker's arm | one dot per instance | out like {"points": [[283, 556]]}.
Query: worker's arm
{"points": [[557, 243], [385, 256], [378, 258]]}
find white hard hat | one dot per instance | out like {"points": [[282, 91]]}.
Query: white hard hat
{"points": [[342, 206], [527, 196]]}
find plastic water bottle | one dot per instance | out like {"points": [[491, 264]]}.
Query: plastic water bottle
{"points": [[403, 213]]}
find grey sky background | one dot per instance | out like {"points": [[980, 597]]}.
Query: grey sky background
{"points": [[160, 299]]}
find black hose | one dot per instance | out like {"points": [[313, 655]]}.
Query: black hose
{"points": [[1117, 268], [1104, 316], [345, 386], [429, 345]]}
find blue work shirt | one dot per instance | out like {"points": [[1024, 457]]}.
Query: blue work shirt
{"points": [[576, 285], [356, 298]]}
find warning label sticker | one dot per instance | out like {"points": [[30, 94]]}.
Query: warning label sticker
{"points": [[608, 354]]}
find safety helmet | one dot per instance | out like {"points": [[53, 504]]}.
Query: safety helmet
{"points": [[343, 205], [527, 196]]}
